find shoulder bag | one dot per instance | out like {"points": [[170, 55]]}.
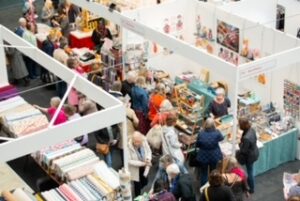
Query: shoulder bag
{"points": [[102, 148], [206, 194]]}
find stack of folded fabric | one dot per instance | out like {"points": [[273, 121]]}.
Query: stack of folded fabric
{"points": [[67, 161], [8, 92], [90, 187], [16, 195], [19, 118]]}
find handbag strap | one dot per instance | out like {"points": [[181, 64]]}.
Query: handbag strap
{"points": [[206, 194]]}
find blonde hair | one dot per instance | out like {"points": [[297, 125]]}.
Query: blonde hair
{"points": [[48, 4], [140, 82], [55, 101], [231, 163]]}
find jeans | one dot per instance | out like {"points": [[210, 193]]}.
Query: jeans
{"points": [[61, 89], [31, 66], [250, 179], [204, 169], [108, 159]]}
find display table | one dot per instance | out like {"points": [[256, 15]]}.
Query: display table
{"points": [[9, 180], [200, 88], [277, 151], [79, 39]]}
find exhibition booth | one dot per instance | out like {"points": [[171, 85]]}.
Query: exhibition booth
{"points": [[259, 53], [254, 63], [28, 132]]}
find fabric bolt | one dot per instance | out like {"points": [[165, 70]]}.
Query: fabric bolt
{"points": [[107, 175], [28, 125], [62, 152], [71, 157], [58, 196], [8, 196], [48, 196], [110, 192], [20, 195], [80, 185], [82, 171], [81, 191], [77, 192], [69, 193], [93, 189], [98, 185], [78, 164], [38, 197], [88, 189], [21, 115], [52, 194]]}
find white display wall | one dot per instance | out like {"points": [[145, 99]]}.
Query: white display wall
{"points": [[259, 36], [274, 87], [265, 13]]}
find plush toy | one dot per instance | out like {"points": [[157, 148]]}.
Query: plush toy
{"points": [[245, 50]]}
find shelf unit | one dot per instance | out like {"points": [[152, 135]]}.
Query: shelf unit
{"points": [[190, 106]]}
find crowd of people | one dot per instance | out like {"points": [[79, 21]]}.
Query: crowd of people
{"points": [[151, 120]]}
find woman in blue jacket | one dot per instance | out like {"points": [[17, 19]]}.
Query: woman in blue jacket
{"points": [[140, 103], [209, 153]]}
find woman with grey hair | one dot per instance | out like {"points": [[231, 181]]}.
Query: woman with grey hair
{"points": [[219, 106], [209, 153]]}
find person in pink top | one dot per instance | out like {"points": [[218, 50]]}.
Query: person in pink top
{"points": [[54, 103], [73, 64]]}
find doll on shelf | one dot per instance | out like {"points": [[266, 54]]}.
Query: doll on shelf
{"points": [[256, 54], [210, 35], [179, 24], [245, 50], [198, 25], [167, 27], [204, 32]]}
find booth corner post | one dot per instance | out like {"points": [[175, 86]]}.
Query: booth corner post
{"points": [[235, 112], [3, 70]]}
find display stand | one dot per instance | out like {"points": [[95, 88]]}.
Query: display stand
{"points": [[113, 112]]}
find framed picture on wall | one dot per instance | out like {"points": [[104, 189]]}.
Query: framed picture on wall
{"points": [[228, 35]]}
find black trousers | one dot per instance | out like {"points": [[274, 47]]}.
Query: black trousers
{"points": [[138, 186]]}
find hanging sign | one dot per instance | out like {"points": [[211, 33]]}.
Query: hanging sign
{"points": [[132, 26], [256, 69]]}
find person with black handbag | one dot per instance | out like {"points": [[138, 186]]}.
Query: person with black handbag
{"points": [[248, 152]]}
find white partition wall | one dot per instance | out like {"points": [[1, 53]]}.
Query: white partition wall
{"points": [[113, 112]]}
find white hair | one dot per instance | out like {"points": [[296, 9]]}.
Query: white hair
{"points": [[166, 105], [220, 91], [55, 101], [22, 21], [173, 169], [131, 76], [209, 123]]}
